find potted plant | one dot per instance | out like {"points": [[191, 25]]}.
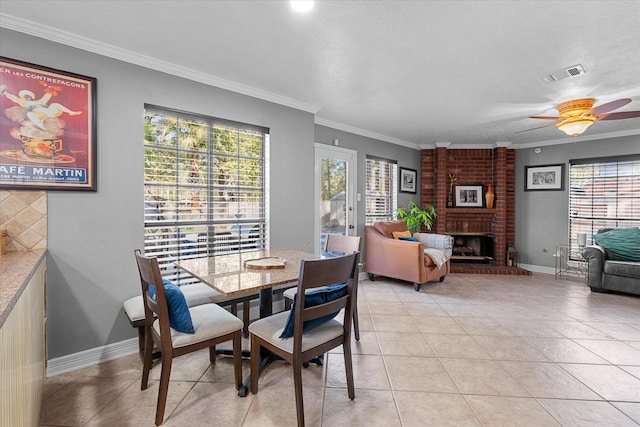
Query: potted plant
{"points": [[416, 217]]}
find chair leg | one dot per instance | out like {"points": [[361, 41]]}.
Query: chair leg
{"points": [[212, 354], [297, 384], [287, 304], [356, 326], [237, 359], [255, 363], [146, 361], [234, 309], [141, 342], [348, 367], [164, 388], [246, 311]]}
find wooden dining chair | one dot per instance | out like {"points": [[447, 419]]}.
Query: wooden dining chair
{"points": [[335, 243], [325, 288], [177, 329]]}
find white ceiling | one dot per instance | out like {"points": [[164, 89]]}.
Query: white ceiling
{"points": [[415, 73]]}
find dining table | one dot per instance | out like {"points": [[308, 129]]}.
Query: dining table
{"points": [[247, 272]]}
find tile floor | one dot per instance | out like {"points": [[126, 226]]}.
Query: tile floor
{"points": [[475, 350]]}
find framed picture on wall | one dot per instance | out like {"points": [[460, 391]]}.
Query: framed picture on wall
{"points": [[408, 179], [547, 177], [47, 128], [468, 196]]}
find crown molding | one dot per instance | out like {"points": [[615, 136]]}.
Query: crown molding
{"points": [[93, 46], [573, 139], [364, 132]]}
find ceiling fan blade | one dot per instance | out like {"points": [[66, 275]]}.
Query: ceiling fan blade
{"points": [[620, 115], [610, 106], [545, 117], [539, 127]]}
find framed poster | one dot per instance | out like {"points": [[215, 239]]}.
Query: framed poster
{"points": [[468, 196], [547, 177], [408, 179], [47, 128]]}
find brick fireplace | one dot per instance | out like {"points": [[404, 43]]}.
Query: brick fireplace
{"points": [[472, 167]]}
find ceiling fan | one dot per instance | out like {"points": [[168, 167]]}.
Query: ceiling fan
{"points": [[578, 114]]}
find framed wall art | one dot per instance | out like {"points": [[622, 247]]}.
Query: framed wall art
{"points": [[546, 177], [408, 178], [47, 128], [468, 196]]}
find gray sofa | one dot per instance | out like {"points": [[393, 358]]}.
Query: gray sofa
{"points": [[608, 275]]}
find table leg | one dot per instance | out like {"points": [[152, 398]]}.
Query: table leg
{"points": [[266, 309]]}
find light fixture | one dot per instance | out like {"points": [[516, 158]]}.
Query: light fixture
{"points": [[301, 5], [576, 116], [574, 127]]}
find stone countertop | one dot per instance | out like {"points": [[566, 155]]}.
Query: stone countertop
{"points": [[16, 269]]}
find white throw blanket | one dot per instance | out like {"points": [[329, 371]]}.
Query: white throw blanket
{"points": [[437, 255]]}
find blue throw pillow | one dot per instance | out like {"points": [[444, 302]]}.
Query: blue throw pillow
{"points": [[312, 298], [179, 316], [621, 243], [409, 239]]}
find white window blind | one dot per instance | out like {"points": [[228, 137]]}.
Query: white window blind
{"points": [[381, 195], [604, 193], [204, 187]]}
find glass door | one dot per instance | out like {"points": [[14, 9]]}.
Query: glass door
{"points": [[335, 182]]}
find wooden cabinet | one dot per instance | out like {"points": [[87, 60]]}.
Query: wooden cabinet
{"points": [[22, 345]]}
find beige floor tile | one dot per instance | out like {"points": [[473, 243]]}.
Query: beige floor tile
{"points": [[368, 372], [135, 407], [485, 377], [632, 410], [384, 323], [410, 373], [579, 413], [548, 380], [274, 406], [483, 326], [280, 372], [211, 404], [425, 358], [439, 325], [509, 411], [610, 382], [459, 346], [510, 348], [387, 308], [564, 350], [80, 400], [405, 344], [419, 409], [418, 309], [370, 408], [616, 352]]}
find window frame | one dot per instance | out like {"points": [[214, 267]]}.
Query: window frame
{"points": [[178, 228], [603, 193]]}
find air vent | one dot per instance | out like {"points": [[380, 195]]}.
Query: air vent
{"points": [[574, 70]]}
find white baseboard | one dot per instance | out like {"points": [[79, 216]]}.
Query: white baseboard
{"points": [[538, 268], [93, 356]]}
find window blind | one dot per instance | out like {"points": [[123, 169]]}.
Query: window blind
{"points": [[604, 193], [381, 195], [204, 187]]}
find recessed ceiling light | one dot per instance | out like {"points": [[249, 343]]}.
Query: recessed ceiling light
{"points": [[302, 5]]}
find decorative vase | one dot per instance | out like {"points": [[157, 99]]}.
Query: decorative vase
{"points": [[489, 196]]}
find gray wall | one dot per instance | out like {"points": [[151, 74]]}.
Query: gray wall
{"points": [[542, 217]]}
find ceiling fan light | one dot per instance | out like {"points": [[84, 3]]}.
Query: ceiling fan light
{"points": [[575, 127]]}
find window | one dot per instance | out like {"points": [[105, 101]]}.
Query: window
{"points": [[204, 187], [381, 195], [604, 193]]}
